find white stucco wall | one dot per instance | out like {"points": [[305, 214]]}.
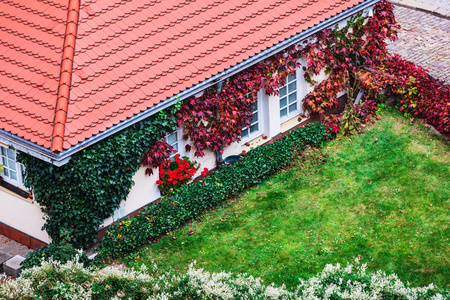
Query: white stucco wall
{"points": [[145, 189], [233, 149], [22, 215]]}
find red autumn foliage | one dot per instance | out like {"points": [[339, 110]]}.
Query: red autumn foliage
{"points": [[420, 94], [347, 51], [366, 110], [158, 153], [214, 121]]}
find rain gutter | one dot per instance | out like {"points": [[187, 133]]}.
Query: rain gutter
{"points": [[60, 159]]}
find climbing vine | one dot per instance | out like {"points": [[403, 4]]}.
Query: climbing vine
{"points": [[421, 95], [344, 53], [215, 120], [78, 196]]}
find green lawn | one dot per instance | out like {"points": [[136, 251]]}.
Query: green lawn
{"points": [[387, 202]]}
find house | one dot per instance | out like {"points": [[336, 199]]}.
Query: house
{"points": [[75, 72]]}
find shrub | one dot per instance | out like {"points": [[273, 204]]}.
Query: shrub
{"points": [[421, 95], [54, 252], [366, 110], [192, 200], [54, 280]]}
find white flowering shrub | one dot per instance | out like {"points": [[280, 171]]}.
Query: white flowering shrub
{"points": [[54, 280]]}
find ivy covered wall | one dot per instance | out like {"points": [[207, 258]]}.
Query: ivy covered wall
{"points": [[79, 195]]}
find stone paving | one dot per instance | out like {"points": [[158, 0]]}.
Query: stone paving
{"points": [[12, 247], [437, 7], [424, 39]]}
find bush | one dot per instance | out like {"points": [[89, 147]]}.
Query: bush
{"points": [[193, 200], [421, 95], [54, 252], [54, 280]]}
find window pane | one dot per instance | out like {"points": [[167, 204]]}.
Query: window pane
{"points": [[5, 161], [172, 138], [292, 87], [12, 165], [11, 154], [293, 97], [175, 147], [244, 133], [291, 78], [283, 92], [254, 106], [13, 175], [254, 118], [283, 102], [5, 170], [254, 128], [293, 107], [283, 112], [3, 151]]}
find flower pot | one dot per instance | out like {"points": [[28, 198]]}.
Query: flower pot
{"points": [[231, 159]]}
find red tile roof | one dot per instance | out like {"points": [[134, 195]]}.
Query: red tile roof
{"points": [[129, 55]]}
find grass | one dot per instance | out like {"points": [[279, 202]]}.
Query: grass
{"points": [[382, 196]]}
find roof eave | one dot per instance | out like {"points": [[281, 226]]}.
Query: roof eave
{"points": [[63, 157]]}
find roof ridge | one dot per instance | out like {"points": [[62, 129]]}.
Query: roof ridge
{"points": [[65, 79]]}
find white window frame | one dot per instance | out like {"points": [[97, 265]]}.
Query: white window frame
{"points": [[19, 168], [257, 133], [179, 141], [297, 102]]}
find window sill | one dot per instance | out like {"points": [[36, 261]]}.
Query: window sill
{"points": [[15, 191], [288, 118], [252, 137]]}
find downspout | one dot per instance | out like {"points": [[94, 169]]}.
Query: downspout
{"points": [[65, 79], [219, 159], [60, 158]]}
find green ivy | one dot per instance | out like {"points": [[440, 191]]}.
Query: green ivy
{"points": [[78, 196], [194, 199]]}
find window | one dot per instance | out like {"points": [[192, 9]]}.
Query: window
{"points": [[288, 98], [172, 140], [175, 139], [12, 170], [254, 123]]}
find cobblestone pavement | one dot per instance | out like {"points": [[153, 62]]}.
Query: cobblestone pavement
{"points": [[12, 247], [436, 7], [424, 39]]}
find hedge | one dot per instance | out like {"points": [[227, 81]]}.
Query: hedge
{"points": [[63, 253], [192, 200], [54, 280]]}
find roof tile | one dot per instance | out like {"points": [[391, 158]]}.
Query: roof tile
{"points": [[129, 55]]}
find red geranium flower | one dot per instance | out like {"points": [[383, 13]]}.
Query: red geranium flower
{"points": [[179, 172]]}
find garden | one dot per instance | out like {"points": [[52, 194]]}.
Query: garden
{"points": [[382, 196], [362, 217], [355, 206]]}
